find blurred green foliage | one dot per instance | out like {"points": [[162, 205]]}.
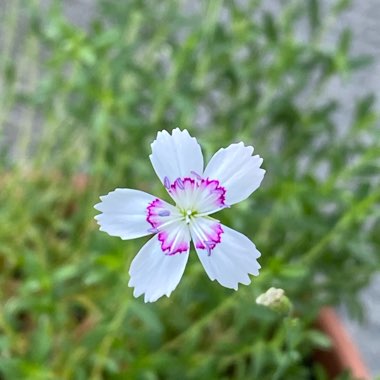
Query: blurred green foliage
{"points": [[79, 108]]}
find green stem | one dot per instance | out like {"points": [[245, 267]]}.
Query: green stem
{"points": [[109, 337], [199, 325], [354, 212]]}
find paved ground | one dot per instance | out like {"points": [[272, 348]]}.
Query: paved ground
{"points": [[367, 336], [363, 18]]}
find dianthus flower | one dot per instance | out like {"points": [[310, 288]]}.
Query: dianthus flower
{"points": [[227, 255]]}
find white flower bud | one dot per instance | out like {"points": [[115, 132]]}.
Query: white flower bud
{"points": [[276, 300]]}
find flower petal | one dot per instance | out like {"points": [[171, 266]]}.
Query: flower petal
{"points": [[231, 260], [174, 238], [154, 273], [237, 171], [124, 213], [205, 232], [176, 155]]}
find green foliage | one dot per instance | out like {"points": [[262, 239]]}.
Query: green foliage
{"points": [[92, 101]]}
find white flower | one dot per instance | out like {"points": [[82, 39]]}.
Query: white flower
{"points": [[227, 255]]}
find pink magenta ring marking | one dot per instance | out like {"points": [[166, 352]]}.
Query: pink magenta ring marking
{"points": [[180, 183], [183, 247], [217, 189], [214, 238], [154, 212], [209, 246], [163, 238], [212, 186], [151, 212]]}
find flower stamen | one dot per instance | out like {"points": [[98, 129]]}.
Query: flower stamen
{"points": [[162, 226], [188, 215], [209, 246], [196, 175], [167, 183], [180, 183]]}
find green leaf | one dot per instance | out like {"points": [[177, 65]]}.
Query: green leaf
{"points": [[313, 9], [270, 28], [318, 339]]}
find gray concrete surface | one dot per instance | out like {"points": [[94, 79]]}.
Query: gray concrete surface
{"points": [[367, 335], [363, 18]]}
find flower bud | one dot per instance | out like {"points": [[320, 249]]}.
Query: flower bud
{"points": [[276, 300]]}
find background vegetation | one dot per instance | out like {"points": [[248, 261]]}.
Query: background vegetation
{"points": [[79, 107]]}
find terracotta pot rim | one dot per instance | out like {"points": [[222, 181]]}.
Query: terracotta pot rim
{"points": [[343, 354]]}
